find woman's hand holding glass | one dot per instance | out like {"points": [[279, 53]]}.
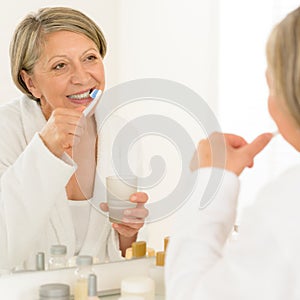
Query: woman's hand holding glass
{"points": [[133, 218]]}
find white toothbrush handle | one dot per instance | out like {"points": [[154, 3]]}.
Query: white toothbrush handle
{"points": [[89, 108]]}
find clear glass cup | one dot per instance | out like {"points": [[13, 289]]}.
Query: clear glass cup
{"points": [[118, 191]]}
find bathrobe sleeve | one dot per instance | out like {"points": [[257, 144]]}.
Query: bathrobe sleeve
{"points": [[31, 181], [202, 262]]}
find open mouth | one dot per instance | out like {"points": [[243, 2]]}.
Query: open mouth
{"points": [[81, 96]]}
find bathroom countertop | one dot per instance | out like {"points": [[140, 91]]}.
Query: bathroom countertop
{"points": [[116, 297]]}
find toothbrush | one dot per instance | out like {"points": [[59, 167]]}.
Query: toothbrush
{"points": [[96, 95]]}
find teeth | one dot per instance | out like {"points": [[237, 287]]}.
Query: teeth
{"points": [[80, 96]]}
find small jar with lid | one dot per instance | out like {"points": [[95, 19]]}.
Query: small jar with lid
{"points": [[140, 286], [58, 257], [54, 291], [84, 269]]}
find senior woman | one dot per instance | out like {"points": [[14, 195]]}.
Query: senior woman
{"points": [[56, 61]]}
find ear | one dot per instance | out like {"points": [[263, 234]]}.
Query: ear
{"points": [[29, 81]]}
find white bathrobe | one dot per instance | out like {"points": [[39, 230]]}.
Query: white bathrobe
{"points": [[34, 210], [262, 263]]}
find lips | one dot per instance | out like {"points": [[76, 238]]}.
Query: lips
{"points": [[82, 98]]}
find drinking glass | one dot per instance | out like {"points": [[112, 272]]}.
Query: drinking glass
{"points": [[118, 191]]}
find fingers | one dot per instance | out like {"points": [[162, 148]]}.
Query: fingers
{"points": [[63, 130], [81, 108], [134, 218], [228, 151], [127, 231], [138, 212], [235, 141], [259, 143], [104, 206], [139, 197]]}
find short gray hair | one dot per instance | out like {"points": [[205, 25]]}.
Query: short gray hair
{"points": [[28, 39]]}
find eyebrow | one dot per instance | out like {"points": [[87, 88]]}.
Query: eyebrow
{"points": [[64, 56]]}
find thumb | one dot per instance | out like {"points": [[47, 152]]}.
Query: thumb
{"points": [[259, 143], [104, 206], [81, 108]]}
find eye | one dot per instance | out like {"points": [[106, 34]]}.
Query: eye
{"points": [[91, 57], [59, 66]]}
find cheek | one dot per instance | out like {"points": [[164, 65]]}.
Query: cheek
{"points": [[276, 113], [99, 75], [271, 107]]}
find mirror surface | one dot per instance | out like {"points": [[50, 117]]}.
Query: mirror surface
{"points": [[141, 38]]}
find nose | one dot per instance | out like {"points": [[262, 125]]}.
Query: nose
{"points": [[79, 74]]}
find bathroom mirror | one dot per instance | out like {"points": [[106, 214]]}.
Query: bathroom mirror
{"points": [[145, 40]]}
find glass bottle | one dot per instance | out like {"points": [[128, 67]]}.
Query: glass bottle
{"points": [[58, 257], [84, 269]]}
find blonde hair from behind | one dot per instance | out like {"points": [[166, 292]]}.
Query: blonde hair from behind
{"points": [[29, 36], [283, 56]]}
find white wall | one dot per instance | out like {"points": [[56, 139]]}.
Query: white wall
{"points": [[171, 39], [244, 30], [176, 40]]}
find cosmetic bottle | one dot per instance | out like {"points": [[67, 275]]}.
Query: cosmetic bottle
{"points": [[58, 257], [141, 286], [166, 242], [150, 252], [139, 249], [131, 298], [54, 291], [156, 272], [84, 269], [40, 261], [92, 287]]}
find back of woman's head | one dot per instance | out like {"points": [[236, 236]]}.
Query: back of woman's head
{"points": [[283, 55], [28, 40]]}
